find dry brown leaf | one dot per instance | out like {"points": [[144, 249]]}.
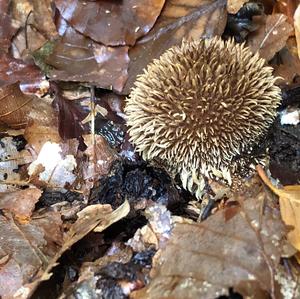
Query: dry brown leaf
{"points": [[238, 247], [28, 248], [297, 28], [21, 203], [112, 23], [90, 218], [233, 6], [15, 106], [289, 200], [42, 127], [271, 36], [179, 19]]}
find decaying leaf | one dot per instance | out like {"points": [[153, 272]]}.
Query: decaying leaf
{"points": [[178, 20], [271, 35], [297, 28], [112, 23], [10, 160], [97, 217], [238, 247], [233, 6], [289, 200], [21, 203]]}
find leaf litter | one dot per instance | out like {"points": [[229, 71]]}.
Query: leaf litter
{"points": [[82, 215]]}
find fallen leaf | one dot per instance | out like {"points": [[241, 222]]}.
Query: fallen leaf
{"points": [[286, 7], [75, 57], [21, 203], [13, 70], [7, 28], [271, 35], [15, 106], [92, 217], [112, 23], [42, 127], [70, 115], [178, 20], [26, 246], [233, 6], [297, 28], [203, 260], [10, 161], [289, 66], [156, 232], [43, 17], [289, 200], [100, 157]]}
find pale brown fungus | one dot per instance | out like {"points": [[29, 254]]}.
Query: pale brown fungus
{"points": [[199, 105]]}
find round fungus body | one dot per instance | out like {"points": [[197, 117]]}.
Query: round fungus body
{"points": [[200, 105]]}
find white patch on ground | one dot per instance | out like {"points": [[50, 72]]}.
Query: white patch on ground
{"points": [[290, 117], [58, 171]]}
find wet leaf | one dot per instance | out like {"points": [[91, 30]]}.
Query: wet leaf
{"points": [[70, 115], [179, 19], [13, 70], [92, 217], [21, 203], [75, 57], [233, 6], [202, 260], [112, 23], [271, 35], [289, 200]]}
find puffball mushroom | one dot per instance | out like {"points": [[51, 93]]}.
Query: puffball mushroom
{"points": [[200, 105]]}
